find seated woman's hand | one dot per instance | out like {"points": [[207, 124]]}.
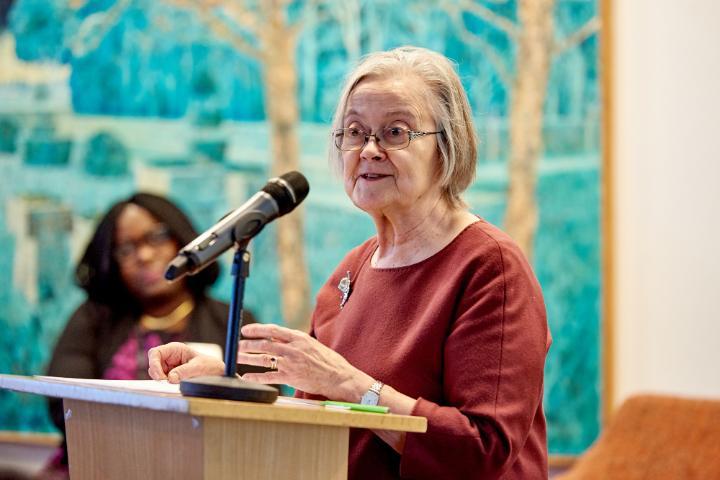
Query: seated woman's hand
{"points": [[176, 361], [300, 361]]}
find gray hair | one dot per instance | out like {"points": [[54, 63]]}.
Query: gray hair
{"points": [[448, 103]]}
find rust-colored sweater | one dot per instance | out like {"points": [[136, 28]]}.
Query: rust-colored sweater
{"points": [[465, 333]]}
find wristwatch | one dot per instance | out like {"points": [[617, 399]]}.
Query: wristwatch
{"points": [[372, 396]]}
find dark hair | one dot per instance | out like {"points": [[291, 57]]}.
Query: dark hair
{"points": [[98, 273]]}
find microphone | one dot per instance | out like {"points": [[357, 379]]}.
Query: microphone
{"points": [[279, 196]]}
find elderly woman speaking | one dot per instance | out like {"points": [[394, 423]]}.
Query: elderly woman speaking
{"points": [[438, 315]]}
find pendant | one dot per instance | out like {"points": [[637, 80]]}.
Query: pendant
{"points": [[344, 287]]}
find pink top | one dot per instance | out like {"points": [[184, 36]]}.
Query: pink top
{"points": [[465, 333], [130, 362]]}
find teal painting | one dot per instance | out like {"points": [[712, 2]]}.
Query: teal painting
{"points": [[203, 101]]}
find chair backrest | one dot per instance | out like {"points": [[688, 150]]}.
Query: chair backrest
{"points": [[655, 437]]}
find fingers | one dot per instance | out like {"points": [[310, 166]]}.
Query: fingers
{"points": [[270, 331], [180, 373], [263, 346], [164, 358], [260, 360], [155, 364], [198, 366]]}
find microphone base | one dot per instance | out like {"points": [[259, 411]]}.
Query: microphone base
{"points": [[228, 388]]}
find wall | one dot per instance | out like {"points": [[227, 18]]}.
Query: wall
{"points": [[666, 163], [148, 97]]}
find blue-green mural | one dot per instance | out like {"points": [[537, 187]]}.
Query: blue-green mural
{"points": [[100, 98]]}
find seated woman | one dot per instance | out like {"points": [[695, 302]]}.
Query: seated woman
{"points": [[438, 315], [130, 306]]}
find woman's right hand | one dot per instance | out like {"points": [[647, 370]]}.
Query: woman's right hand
{"points": [[176, 361]]}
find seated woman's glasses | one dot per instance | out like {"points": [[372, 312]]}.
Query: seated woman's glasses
{"points": [[157, 237], [389, 138]]}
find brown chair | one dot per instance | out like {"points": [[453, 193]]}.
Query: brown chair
{"points": [[655, 438]]}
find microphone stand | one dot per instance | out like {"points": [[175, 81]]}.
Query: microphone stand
{"points": [[230, 386], [240, 271]]}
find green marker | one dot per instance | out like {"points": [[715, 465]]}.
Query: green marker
{"points": [[356, 406]]}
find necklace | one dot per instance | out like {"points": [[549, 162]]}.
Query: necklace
{"points": [[168, 321]]}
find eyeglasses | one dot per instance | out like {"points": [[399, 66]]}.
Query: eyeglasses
{"points": [[389, 138], [155, 238]]}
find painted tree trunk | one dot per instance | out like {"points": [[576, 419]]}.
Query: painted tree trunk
{"points": [[534, 49], [281, 105]]}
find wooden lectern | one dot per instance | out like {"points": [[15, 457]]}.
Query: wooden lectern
{"points": [[120, 433]]}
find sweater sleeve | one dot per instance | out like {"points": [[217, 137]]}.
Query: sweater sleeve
{"points": [[74, 354], [494, 358]]}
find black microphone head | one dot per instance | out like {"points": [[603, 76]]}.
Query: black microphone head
{"points": [[178, 268], [288, 190]]}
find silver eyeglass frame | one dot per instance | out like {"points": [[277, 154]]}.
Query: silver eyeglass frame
{"points": [[412, 135]]}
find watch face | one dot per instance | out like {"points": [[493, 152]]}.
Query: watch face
{"points": [[370, 398]]}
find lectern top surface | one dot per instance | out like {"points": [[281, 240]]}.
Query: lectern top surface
{"points": [[153, 395]]}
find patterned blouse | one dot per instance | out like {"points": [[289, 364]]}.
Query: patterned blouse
{"points": [[130, 362]]}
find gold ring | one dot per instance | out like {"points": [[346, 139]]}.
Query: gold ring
{"points": [[273, 363]]}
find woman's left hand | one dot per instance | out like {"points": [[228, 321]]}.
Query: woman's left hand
{"points": [[299, 361]]}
